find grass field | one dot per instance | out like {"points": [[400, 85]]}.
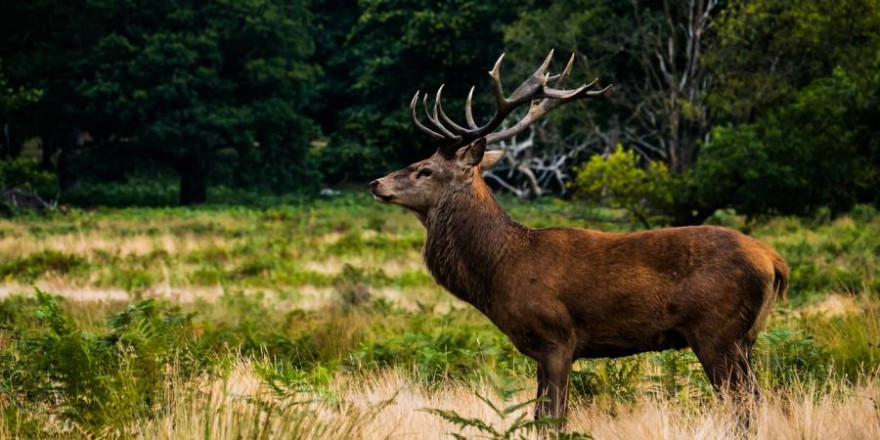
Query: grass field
{"points": [[320, 321]]}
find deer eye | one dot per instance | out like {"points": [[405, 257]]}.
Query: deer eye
{"points": [[424, 172]]}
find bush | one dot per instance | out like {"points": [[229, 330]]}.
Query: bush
{"points": [[134, 192], [96, 380], [818, 151], [26, 174], [619, 182], [33, 186]]}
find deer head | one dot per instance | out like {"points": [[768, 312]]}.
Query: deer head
{"points": [[461, 150]]}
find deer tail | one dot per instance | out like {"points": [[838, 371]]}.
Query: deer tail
{"points": [[780, 276]]}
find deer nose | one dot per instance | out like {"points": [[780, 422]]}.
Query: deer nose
{"points": [[373, 185]]}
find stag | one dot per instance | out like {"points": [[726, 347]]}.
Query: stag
{"points": [[562, 294]]}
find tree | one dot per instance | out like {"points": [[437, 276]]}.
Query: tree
{"points": [[768, 50], [183, 83], [652, 51], [208, 77], [799, 89], [821, 150], [45, 47], [395, 48], [11, 100]]}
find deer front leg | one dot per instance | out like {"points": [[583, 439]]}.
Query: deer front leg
{"points": [[553, 370], [541, 401]]}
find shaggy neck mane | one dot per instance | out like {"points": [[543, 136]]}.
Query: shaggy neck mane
{"points": [[469, 237]]}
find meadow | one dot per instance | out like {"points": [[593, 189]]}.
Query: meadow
{"points": [[318, 320]]}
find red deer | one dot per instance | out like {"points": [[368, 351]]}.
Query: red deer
{"points": [[562, 294]]}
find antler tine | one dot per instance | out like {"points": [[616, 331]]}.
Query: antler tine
{"points": [[562, 78], [412, 106], [447, 135], [600, 92], [535, 91], [554, 98], [527, 91], [532, 87], [495, 74], [438, 109], [468, 114]]}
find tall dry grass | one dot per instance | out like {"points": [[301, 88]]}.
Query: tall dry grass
{"points": [[388, 405]]}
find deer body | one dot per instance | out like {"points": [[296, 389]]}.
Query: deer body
{"points": [[561, 294], [573, 293]]}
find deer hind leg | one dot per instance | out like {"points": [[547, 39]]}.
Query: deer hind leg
{"points": [[730, 373], [727, 364]]}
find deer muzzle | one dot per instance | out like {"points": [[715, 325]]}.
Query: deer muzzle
{"points": [[376, 191]]}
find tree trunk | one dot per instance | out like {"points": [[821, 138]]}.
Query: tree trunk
{"points": [[193, 189], [68, 181], [5, 141], [193, 183]]}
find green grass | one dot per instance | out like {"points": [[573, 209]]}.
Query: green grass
{"points": [[101, 367]]}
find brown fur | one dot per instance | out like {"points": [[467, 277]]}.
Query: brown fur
{"points": [[561, 294]]}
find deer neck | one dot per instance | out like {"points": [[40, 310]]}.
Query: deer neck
{"points": [[469, 238]]}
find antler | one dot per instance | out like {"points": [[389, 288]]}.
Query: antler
{"points": [[543, 98]]}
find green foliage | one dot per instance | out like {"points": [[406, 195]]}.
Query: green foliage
{"points": [[25, 174], [395, 48], [616, 380], [223, 95], [618, 181], [287, 381], [808, 40], [516, 421], [33, 266], [785, 357], [838, 258], [817, 151], [96, 380], [13, 98], [846, 339], [679, 371], [134, 192], [210, 89], [800, 129], [439, 348]]}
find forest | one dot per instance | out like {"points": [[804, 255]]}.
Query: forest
{"points": [[764, 106], [188, 247]]}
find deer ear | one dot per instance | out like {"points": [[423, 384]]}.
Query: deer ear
{"points": [[472, 155], [490, 158]]}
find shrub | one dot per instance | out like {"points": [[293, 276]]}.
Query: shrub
{"points": [[26, 174], [136, 191], [618, 181], [97, 380]]}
